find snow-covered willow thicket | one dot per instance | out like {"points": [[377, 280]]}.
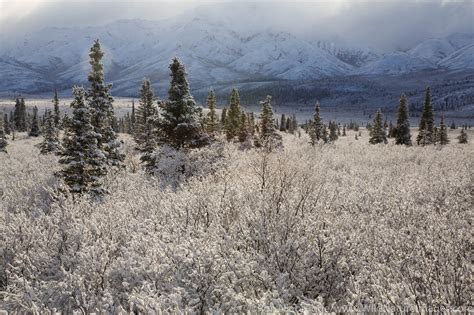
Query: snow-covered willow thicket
{"points": [[326, 228]]}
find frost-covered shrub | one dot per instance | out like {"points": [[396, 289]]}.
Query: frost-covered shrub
{"points": [[173, 167], [344, 228]]}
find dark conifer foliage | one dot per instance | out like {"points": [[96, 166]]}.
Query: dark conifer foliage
{"points": [[3, 139], [377, 133], [402, 129], [179, 124], [443, 133], [84, 162], [212, 121], [34, 129], [233, 120], [57, 114], [100, 102], [50, 143], [426, 127]]}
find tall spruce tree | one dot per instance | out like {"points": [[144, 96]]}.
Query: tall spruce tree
{"points": [[3, 138], [425, 135], [268, 135], [244, 133], [283, 123], [84, 162], [101, 103], [179, 124], [233, 116], [317, 126], [146, 124], [6, 124], [402, 129], [57, 114], [377, 133], [50, 143], [212, 121], [333, 136], [133, 119], [443, 132], [20, 115], [35, 130]]}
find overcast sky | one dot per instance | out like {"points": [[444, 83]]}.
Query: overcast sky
{"points": [[383, 24]]}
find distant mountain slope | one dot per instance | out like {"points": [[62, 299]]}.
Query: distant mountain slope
{"points": [[215, 49], [395, 63], [461, 59]]}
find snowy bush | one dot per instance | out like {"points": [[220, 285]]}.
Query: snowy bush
{"points": [[342, 228]]}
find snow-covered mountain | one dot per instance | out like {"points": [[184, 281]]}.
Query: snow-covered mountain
{"points": [[215, 50]]}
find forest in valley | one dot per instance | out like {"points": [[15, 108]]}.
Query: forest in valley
{"points": [[178, 208]]}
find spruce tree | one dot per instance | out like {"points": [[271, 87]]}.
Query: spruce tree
{"points": [[233, 116], [212, 123], [425, 135], [244, 133], [268, 135], [3, 139], [20, 115], [100, 102], [283, 123], [344, 130], [333, 136], [377, 133], [84, 162], [133, 119], [50, 143], [462, 136], [57, 114], [6, 124], [35, 130], [402, 129], [316, 129], [294, 124], [443, 132], [179, 124], [223, 116], [146, 132]]}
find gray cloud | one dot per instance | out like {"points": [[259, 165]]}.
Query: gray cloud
{"points": [[383, 24]]}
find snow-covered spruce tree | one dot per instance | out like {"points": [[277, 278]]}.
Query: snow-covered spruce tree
{"points": [[316, 129], [3, 138], [179, 125], [462, 136], [35, 129], [402, 129], [233, 117], [244, 132], [102, 111], [377, 133], [333, 136], [212, 121], [6, 124], [425, 135], [57, 114], [268, 136], [19, 115], [442, 137], [146, 124], [294, 124], [133, 119], [50, 143], [283, 123], [84, 162], [344, 130]]}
